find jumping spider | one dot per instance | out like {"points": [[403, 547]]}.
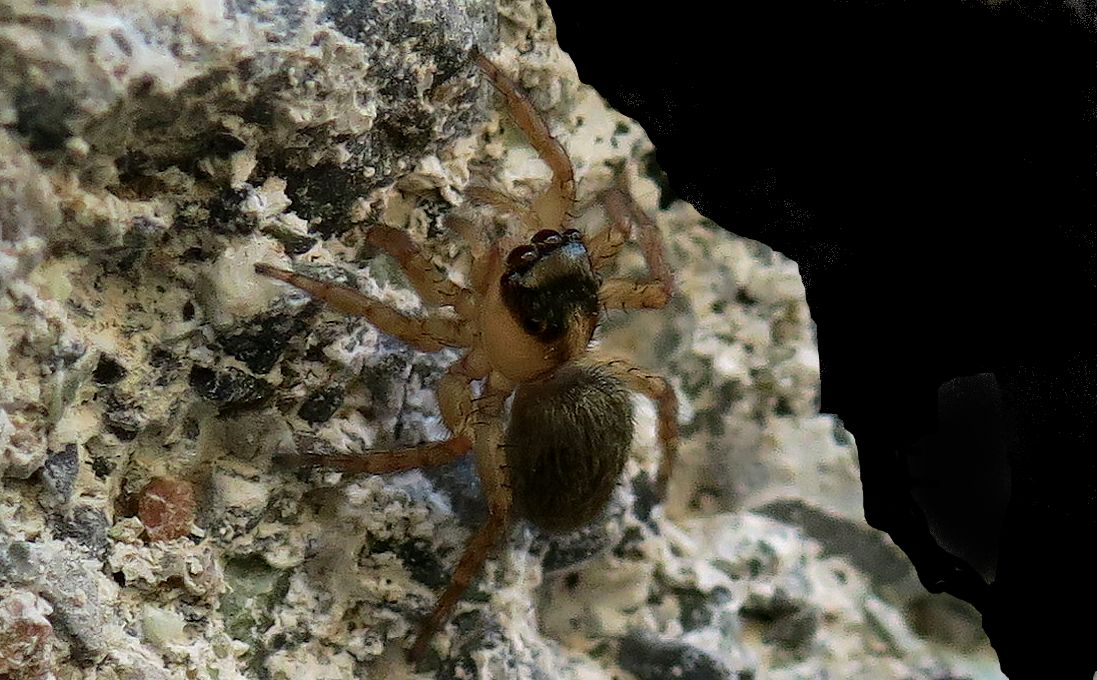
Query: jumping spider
{"points": [[527, 323]]}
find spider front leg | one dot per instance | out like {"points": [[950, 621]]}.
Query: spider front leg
{"points": [[620, 293], [490, 464], [426, 333], [555, 205], [432, 285]]}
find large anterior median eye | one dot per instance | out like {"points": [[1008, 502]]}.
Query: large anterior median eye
{"points": [[547, 239], [522, 257]]}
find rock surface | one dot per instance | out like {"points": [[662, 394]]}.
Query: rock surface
{"points": [[150, 156]]}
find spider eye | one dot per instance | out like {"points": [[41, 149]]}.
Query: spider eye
{"points": [[547, 239], [573, 235], [522, 257]]}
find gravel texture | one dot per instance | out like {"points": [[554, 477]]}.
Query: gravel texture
{"points": [[153, 152]]}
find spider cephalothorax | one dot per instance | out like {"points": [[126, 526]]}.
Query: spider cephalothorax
{"points": [[526, 321], [550, 287]]}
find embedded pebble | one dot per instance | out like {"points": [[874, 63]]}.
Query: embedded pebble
{"points": [[59, 472], [650, 658], [26, 635], [87, 525], [230, 388], [167, 508]]}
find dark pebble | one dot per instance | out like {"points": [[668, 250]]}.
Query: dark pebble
{"points": [[649, 658], [262, 340], [85, 524], [224, 212], [229, 387], [322, 404], [108, 371], [419, 559], [790, 622], [59, 471]]}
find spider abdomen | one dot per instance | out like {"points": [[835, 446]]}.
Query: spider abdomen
{"points": [[568, 438]]}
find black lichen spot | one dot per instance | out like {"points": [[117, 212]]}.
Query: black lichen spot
{"points": [[418, 558], [41, 116], [745, 298], [570, 550], [230, 388], [292, 242], [790, 622], [59, 471], [225, 216], [166, 363], [108, 371], [475, 633], [321, 404], [122, 417], [649, 658], [630, 546], [647, 497], [85, 524], [654, 172], [262, 340], [224, 144], [324, 195], [195, 254], [698, 608], [188, 310], [102, 467]]}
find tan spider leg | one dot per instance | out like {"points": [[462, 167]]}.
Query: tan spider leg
{"points": [[430, 454], [490, 464], [429, 282], [629, 294], [508, 205], [455, 393], [455, 402], [656, 388], [604, 246], [555, 205], [619, 293], [427, 334]]}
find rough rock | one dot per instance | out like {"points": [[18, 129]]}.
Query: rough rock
{"points": [[151, 155]]}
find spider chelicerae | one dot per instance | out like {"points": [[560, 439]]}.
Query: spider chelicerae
{"points": [[526, 323]]}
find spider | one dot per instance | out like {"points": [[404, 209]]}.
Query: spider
{"points": [[526, 323]]}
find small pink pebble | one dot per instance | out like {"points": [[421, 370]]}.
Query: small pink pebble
{"points": [[166, 508]]}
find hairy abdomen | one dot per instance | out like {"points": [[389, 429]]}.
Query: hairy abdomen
{"points": [[568, 438]]}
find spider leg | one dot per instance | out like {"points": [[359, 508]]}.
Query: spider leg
{"points": [[432, 285], [455, 391], [604, 247], [505, 204], [491, 465], [427, 334], [656, 388], [555, 205], [454, 400], [430, 454], [628, 294]]}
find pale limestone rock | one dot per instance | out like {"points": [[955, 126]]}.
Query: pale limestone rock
{"points": [[157, 151]]}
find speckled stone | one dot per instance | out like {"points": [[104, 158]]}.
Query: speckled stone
{"points": [[150, 157]]}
